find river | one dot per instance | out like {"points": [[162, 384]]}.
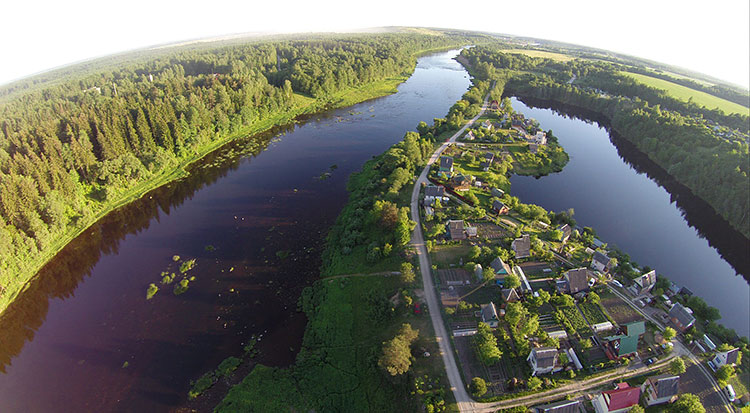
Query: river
{"points": [[606, 184], [253, 214]]}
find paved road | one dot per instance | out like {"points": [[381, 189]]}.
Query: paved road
{"points": [[464, 401]]}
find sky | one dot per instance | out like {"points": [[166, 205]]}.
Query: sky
{"points": [[707, 37]]}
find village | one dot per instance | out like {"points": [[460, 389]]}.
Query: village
{"points": [[535, 302]]}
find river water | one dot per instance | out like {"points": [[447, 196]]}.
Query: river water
{"points": [[254, 215], [613, 188], [65, 342]]}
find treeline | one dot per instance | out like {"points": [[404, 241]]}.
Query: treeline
{"points": [[684, 145], [492, 62], [71, 147]]}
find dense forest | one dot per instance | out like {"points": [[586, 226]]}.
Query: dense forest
{"points": [[705, 150], [73, 148]]}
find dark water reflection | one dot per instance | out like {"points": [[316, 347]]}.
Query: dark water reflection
{"points": [[64, 342], [634, 204]]}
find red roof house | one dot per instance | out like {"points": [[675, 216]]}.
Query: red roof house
{"points": [[618, 400]]}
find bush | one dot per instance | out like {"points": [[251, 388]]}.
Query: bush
{"points": [[677, 366], [151, 291], [478, 387], [202, 384], [407, 272], [227, 366], [534, 383]]}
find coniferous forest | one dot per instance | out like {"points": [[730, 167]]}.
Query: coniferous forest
{"points": [[78, 142]]}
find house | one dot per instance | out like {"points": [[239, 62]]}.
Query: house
{"points": [[563, 406], [510, 295], [620, 346], [487, 125], [485, 166], [618, 400], [489, 157], [500, 268], [646, 282], [567, 231], [494, 105], [533, 148], [470, 136], [539, 138], [522, 246], [661, 389], [543, 360], [434, 191], [499, 207], [446, 164], [681, 317], [575, 281], [460, 183], [601, 262], [516, 120], [455, 229], [497, 192], [724, 358], [489, 314], [471, 232]]}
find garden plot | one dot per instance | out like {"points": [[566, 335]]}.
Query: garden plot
{"points": [[620, 311]]}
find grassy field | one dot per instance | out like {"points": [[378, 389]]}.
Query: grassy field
{"points": [[685, 93], [337, 364], [445, 255], [540, 53]]}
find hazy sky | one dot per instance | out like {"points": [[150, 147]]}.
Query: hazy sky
{"points": [[708, 37]]}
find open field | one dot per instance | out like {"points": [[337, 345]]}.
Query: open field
{"points": [[445, 255], [540, 53], [685, 93]]}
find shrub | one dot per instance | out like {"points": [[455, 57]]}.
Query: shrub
{"points": [[478, 387], [151, 291]]}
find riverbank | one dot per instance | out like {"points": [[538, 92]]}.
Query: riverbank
{"points": [[720, 234], [338, 366], [304, 106], [248, 204]]}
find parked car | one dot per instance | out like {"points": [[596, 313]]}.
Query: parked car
{"points": [[649, 362], [729, 391], [617, 283]]}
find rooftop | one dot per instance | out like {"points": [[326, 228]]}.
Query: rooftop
{"points": [[664, 385]]}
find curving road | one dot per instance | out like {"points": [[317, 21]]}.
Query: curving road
{"points": [[464, 401]]}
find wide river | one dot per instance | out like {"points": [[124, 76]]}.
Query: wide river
{"points": [[609, 191], [254, 215], [65, 343]]}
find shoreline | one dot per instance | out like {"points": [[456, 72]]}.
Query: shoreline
{"points": [[714, 227], [342, 99]]}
